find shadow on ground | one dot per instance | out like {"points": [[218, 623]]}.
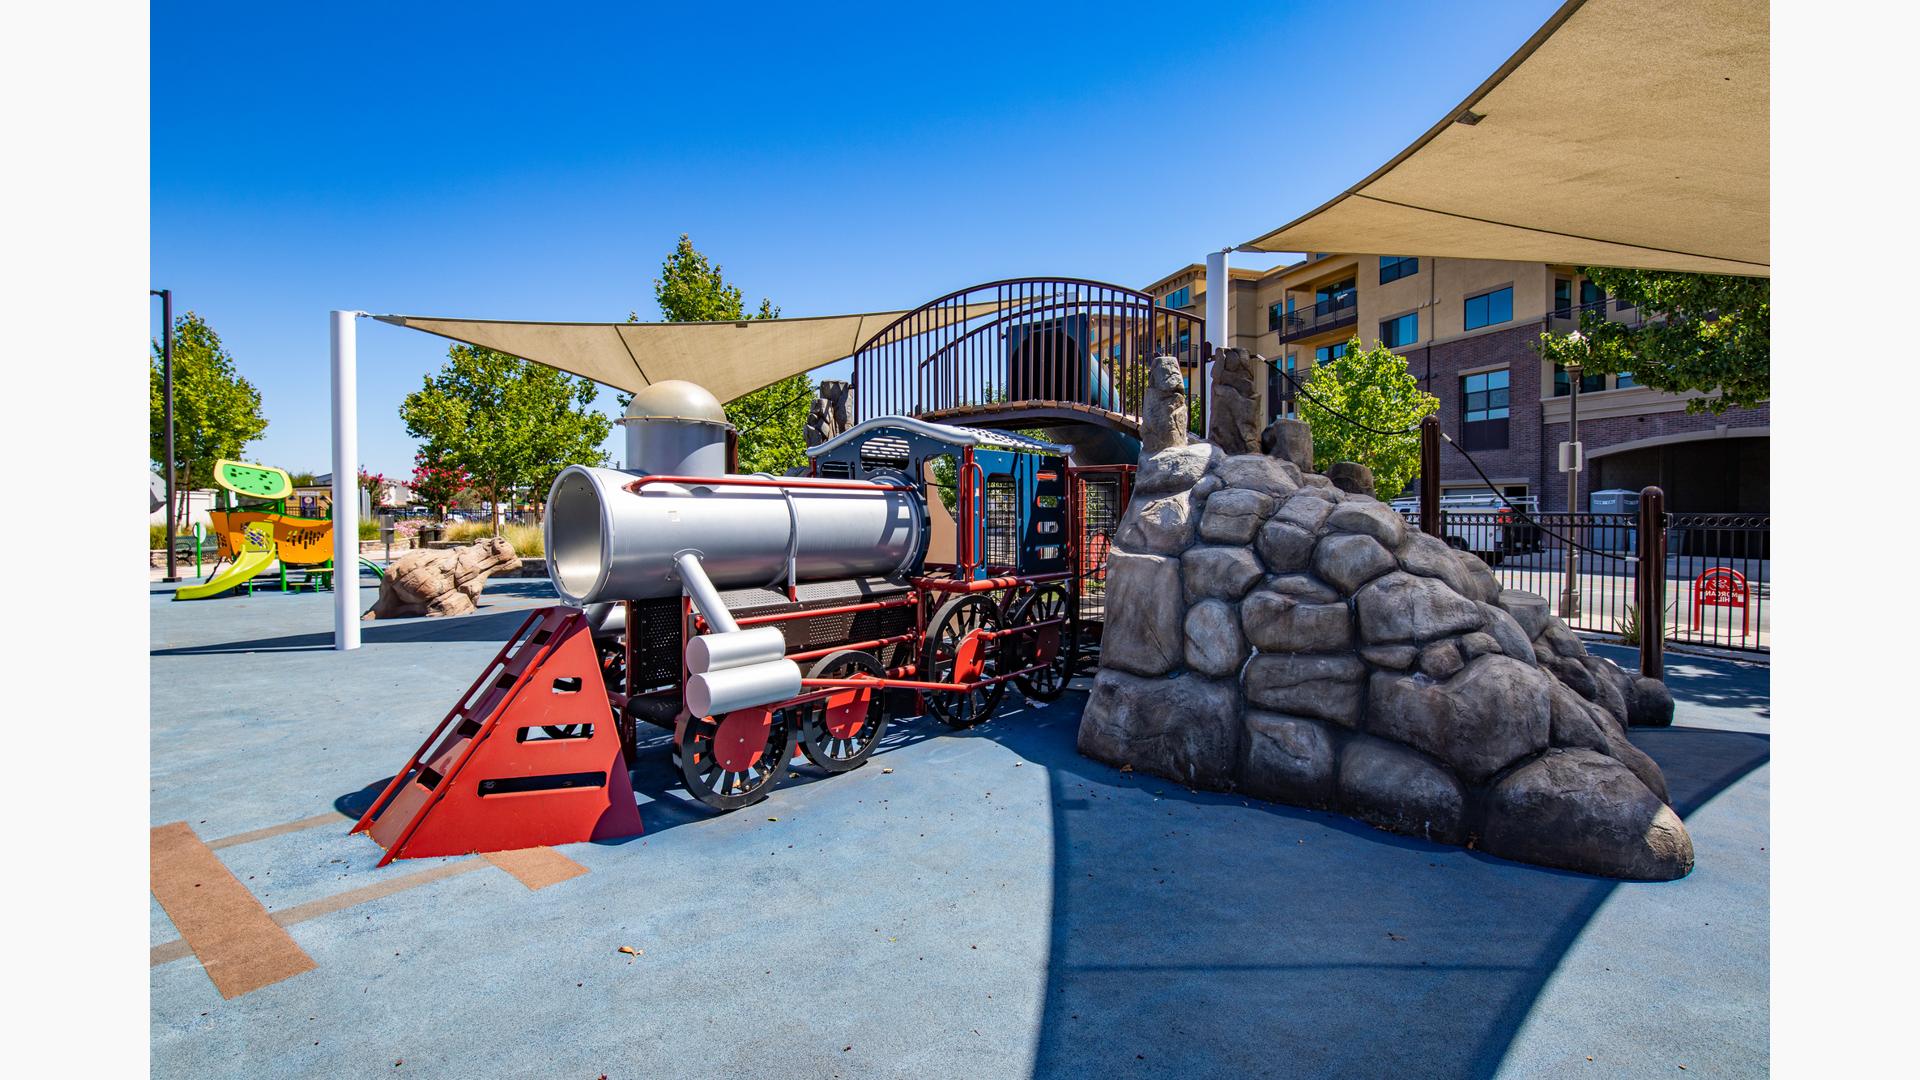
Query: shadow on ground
{"points": [[480, 626]]}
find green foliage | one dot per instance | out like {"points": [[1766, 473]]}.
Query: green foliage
{"points": [[156, 537], [510, 425], [1373, 387], [216, 412], [302, 479], [1629, 625], [1703, 332], [369, 528], [527, 540], [772, 421]]}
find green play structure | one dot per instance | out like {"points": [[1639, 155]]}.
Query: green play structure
{"points": [[253, 532]]}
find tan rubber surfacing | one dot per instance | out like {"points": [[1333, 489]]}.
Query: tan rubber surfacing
{"points": [[238, 943], [536, 868]]}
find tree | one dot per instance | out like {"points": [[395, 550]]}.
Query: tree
{"points": [[436, 484], [771, 421], [508, 424], [216, 412], [1706, 333], [1367, 388], [375, 485]]}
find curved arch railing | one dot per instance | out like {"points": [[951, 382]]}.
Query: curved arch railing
{"points": [[1069, 348]]}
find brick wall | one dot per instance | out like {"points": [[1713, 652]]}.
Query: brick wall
{"points": [[1521, 460]]}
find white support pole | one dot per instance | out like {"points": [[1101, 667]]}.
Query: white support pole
{"points": [[1219, 314], [346, 484]]}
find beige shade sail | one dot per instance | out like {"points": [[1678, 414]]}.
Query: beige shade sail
{"points": [[1625, 133], [728, 358]]}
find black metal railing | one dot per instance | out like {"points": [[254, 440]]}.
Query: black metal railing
{"points": [[1718, 570], [1329, 314]]}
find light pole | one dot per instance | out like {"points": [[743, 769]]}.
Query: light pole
{"points": [[166, 412], [1570, 463]]}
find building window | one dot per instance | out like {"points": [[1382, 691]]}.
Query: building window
{"points": [[1489, 309], [1328, 299], [1274, 316], [1562, 296], [1178, 298], [1328, 353], [1624, 380], [1589, 382], [1395, 267], [1186, 340], [1404, 330], [1592, 296], [1483, 411]]}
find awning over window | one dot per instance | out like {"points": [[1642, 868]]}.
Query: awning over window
{"points": [[728, 358], [1624, 133]]}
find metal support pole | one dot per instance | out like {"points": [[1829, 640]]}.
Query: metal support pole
{"points": [[1570, 599], [346, 484], [1650, 592], [1430, 475], [166, 411], [1219, 318]]}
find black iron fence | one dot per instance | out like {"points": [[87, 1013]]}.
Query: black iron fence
{"points": [[1718, 571]]}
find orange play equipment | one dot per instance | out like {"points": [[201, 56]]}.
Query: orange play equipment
{"points": [[529, 757]]}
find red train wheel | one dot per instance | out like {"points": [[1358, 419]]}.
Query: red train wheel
{"points": [[736, 760], [839, 733], [957, 651]]}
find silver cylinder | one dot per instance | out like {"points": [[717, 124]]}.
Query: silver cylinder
{"points": [[607, 543], [716, 692], [672, 447], [718, 652]]}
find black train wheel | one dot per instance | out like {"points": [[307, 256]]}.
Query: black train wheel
{"points": [[840, 739], [955, 645], [736, 759], [1053, 646]]}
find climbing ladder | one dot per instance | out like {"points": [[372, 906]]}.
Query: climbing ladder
{"points": [[530, 756]]}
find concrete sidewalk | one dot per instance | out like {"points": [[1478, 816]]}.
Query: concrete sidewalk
{"points": [[996, 905]]}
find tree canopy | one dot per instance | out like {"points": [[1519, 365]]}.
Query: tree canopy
{"points": [[216, 411], [508, 424], [772, 421], [1367, 388], [1706, 333]]}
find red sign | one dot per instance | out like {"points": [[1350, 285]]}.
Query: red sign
{"points": [[1722, 586]]}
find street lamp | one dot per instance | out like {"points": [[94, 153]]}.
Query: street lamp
{"points": [[166, 411], [1570, 464]]}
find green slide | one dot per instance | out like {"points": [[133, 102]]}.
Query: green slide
{"points": [[238, 572]]}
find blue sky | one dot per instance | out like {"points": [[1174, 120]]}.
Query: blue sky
{"points": [[538, 162]]}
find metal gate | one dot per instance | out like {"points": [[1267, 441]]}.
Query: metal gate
{"points": [[1100, 495]]}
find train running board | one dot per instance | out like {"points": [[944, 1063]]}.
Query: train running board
{"points": [[530, 756]]}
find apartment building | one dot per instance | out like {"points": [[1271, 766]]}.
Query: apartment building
{"points": [[1466, 328]]}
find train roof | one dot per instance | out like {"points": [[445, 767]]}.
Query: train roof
{"points": [[947, 433]]}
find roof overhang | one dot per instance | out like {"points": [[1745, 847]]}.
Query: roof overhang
{"points": [[1627, 133]]}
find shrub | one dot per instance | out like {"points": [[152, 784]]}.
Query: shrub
{"points": [[369, 528], [156, 537], [1629, 626]]}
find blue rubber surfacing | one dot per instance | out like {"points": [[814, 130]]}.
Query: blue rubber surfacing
{"points": [[995, 906]]}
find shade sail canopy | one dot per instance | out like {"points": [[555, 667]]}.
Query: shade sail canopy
{"points": [[728, 358], [1624, 133]]}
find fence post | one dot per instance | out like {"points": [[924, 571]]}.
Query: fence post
{"points": [[1430, 475], [1650, 590]]}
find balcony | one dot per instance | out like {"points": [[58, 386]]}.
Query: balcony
{"points": [[1325, 315], [1567, 320]]}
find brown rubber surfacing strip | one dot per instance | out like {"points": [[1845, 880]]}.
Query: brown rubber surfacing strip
{"points": [[271, 831], [238, 943], [537, 867]]}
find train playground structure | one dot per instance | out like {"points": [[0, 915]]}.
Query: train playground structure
{"points": [[922, 566]]}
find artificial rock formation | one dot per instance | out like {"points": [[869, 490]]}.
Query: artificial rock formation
{"points": [[441, 582], [1275, 632], [831, 412]]}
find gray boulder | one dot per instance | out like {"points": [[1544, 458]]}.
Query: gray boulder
{"points": [[1403, 607], [1285, 546], [1573, 721], [1145, 614], [1609, 685], [1306, 511], [1328, 687], [1257, 472], [1441, 660], [1430, 556], [1174, 469], [1186, 728], [1162, 526], [1584, 811], [1479, 643], [1369, 518], [1480, 721], [1349, 560], [1649, 703], [1397, 657], [1508, 632], [1224, 573], [1290, 441], [1234, 515], [1163, 417], [1351, 477], [1215, 645], [1636, 760], [1399, 790], [1288, 759], [1481, 584], [1562, 641], [1528, 609], [1571, 672], [1306, 589], [1275, 622], [1233, 413]]}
